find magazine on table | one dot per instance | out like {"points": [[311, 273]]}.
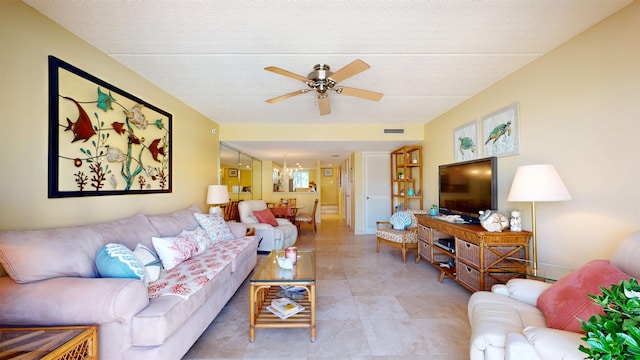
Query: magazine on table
{"points": [[284, 307]]}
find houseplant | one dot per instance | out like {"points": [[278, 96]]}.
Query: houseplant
{"points": [[616, 333]]}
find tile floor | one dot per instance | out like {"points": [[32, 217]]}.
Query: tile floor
{"points": [[369, 306]]}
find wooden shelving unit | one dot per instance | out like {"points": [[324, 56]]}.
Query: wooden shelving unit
{"points": [[406, 178]]}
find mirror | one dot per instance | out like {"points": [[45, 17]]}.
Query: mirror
{"points": [[241, 173]]}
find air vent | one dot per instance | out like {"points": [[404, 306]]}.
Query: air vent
{"points": [[394, 131]]}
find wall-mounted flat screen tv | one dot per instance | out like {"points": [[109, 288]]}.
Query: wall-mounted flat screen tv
{"points": [[468, 187]]}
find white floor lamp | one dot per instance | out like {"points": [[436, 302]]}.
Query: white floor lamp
{"points": [[217, 195], [534, 183]]}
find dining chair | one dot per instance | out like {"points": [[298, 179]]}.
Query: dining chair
{"points": [[308, 218], [288, 201]]}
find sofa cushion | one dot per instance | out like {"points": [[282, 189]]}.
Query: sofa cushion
{"points": [[33, 255], [174, 250], [188, 277], [150, 261], [566, 302], [238, 229], [173, 223], [118, 261], [215, 226], [265, 217], [128, 231]]}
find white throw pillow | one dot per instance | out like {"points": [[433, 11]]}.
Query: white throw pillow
{"points": [[174, 250], [150, 261]]}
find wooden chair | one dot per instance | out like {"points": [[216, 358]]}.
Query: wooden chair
{"points": [[308, 218], [231, 212], [288, 201], [403, 239]]}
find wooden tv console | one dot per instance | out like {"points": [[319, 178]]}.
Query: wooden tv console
{"points": [[470, 255]]}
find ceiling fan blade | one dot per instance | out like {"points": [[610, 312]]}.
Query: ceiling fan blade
{"points": [[286, 96], [356, 67], [365, 94], [279, 71], [323, 104]]}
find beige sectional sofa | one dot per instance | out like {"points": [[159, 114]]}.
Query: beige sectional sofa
{"points": [[53, 280]]}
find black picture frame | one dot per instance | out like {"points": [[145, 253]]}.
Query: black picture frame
{"points": [[123, 143]]}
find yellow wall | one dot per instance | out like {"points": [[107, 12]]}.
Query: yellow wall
{"points": [[580, 111], [329, 191], [27, 39]]}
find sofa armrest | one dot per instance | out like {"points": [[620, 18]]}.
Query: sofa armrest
{"points": [[544, 343], [283, 221], [260, 227], [525, 290], [71, 301], [238, 229]]}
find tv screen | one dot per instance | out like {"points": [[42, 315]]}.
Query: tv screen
{"points": [[468, 187]]}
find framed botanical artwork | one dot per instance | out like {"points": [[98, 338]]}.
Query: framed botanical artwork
{"points": [[500, 132], [328, 172], [102, 139], [233, 172], [465, 140]]}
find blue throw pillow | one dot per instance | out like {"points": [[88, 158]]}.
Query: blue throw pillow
{"points": [[117, 261], [400, 220]]}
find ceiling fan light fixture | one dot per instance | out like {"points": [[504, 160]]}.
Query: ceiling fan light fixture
{"points": [[322, 79]]}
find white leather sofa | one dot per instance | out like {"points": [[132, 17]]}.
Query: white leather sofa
{"points": [[507, 323], [271, 238]]}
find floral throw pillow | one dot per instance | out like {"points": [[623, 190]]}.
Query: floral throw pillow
{"points": [[174, 250], [199, 236], [214, 226]]}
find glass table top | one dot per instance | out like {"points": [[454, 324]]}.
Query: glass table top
{"points": [[303, 271], [545, 272], [17, 342]]}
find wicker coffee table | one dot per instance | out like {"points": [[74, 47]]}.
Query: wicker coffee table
{"points": [[266, 284], [63, 342]]}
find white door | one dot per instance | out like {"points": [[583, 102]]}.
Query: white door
{"points": [[377, 190]]}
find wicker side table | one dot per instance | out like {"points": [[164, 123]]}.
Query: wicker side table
{"points": [[63, 342]]}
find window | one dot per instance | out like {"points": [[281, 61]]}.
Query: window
{"points": [[301, 179]]}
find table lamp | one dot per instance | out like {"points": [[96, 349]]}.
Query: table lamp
{"points": [[534, 183], [217, 195]]}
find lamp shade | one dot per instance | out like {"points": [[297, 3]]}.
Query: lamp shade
{"points": [[217, 194], [538, 183]]}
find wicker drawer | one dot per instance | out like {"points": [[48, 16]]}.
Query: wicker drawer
{"points": [[424, 249], [470, 253], [424, 233], [471, 277]]}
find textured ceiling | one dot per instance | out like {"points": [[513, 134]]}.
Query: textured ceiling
{"points": [[425, 56]]}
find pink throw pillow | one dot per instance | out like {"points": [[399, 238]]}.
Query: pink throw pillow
{"points": [[565, 303], [266, 217]]}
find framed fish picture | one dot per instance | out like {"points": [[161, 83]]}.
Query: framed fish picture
{"points": [[500, 132], [465, 142], [103, 140]]}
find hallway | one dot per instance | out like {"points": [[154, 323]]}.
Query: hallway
{"points": [[370, 306]]}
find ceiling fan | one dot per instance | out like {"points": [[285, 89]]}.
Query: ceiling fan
{"points": [[321, 79]]}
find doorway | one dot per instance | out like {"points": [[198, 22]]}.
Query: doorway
{"points": [[377, 191]]}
